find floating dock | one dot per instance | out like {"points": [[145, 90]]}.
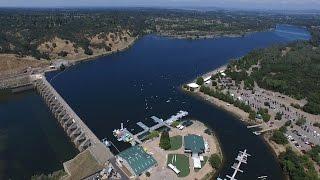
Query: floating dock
{"points": [[124, 135], [241, 158]]}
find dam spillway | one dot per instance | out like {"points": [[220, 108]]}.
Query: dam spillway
{"points": [[79, 133]]}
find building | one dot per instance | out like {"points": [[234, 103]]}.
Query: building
{"points": [[195, 145], [193, 86], [136, 160]]}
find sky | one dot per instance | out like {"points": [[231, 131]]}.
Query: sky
{"points": [[239, 4]]}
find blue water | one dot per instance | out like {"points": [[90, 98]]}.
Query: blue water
{"points": [[117, 88]]}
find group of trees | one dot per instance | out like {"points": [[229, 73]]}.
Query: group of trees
{"points": [[165, 140], [297, 167], [264, 114], [292, 69], [225, 97], [314, 153], [279, 138]]}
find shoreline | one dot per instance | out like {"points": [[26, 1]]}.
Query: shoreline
{"points": [[241, 115], [210, 36], [129, 45]]}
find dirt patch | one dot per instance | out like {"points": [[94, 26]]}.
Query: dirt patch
{"points": [[12, 64]]}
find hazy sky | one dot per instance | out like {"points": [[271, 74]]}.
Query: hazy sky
{"points": [[246, 4]]}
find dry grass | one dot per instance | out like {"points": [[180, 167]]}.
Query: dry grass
{"points": [[11, 64], [81, 166]]}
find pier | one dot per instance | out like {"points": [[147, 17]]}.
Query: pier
{"points": [[160, 123], [81, 136], [241, 158]]}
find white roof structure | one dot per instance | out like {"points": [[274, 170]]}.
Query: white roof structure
{"points": [[207, 78], [223, 74], [193, 85], [174, 168], [196, 162]]}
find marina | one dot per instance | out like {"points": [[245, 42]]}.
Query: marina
{"points": [[241, 158]]}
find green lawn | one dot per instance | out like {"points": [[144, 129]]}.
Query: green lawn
{"points": [[176, 142], [181, 161]]}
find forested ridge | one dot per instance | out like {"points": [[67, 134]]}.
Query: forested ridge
{"points": [[24, 30]]}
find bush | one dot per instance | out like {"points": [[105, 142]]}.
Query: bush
{"points": [[278, 116], [214, 83], [252, 115], [301, 121], [153, 134], [175, 124], [316, 124], [215, 161], [148, 174], [165, 141]]}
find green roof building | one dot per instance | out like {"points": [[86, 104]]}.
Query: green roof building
{"points": [[136, 160], [194, 144]]}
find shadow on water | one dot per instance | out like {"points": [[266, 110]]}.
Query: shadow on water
{"points": [[133, 85], [31, 141]]}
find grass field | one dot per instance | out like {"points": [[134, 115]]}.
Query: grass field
{"points": [[181, 161], [176, 142]]}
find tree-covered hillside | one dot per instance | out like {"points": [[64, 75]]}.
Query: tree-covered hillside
{"points": [[292, 69], [24, 30]]}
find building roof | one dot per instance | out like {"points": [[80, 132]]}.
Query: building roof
{"points": [[207, 78], [138, 159], [194, 143], [193, 85]]}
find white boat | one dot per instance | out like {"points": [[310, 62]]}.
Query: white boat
{"points": [[106, 142]]}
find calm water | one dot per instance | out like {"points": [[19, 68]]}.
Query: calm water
{"points": [[118, 88]]}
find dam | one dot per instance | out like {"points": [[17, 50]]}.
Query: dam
{"points": [[79, 133]]}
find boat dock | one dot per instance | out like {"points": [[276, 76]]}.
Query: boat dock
{"points": [[159, 123], [241, 158]]}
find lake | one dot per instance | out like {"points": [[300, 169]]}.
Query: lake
{"points": [[131, 86]]}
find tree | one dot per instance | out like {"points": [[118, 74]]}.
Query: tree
{"points": [[214, 83], [200, 81], [62, 67], [165, 140], [215, 161], [301, 121], [279, 138], [278, 116]]}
